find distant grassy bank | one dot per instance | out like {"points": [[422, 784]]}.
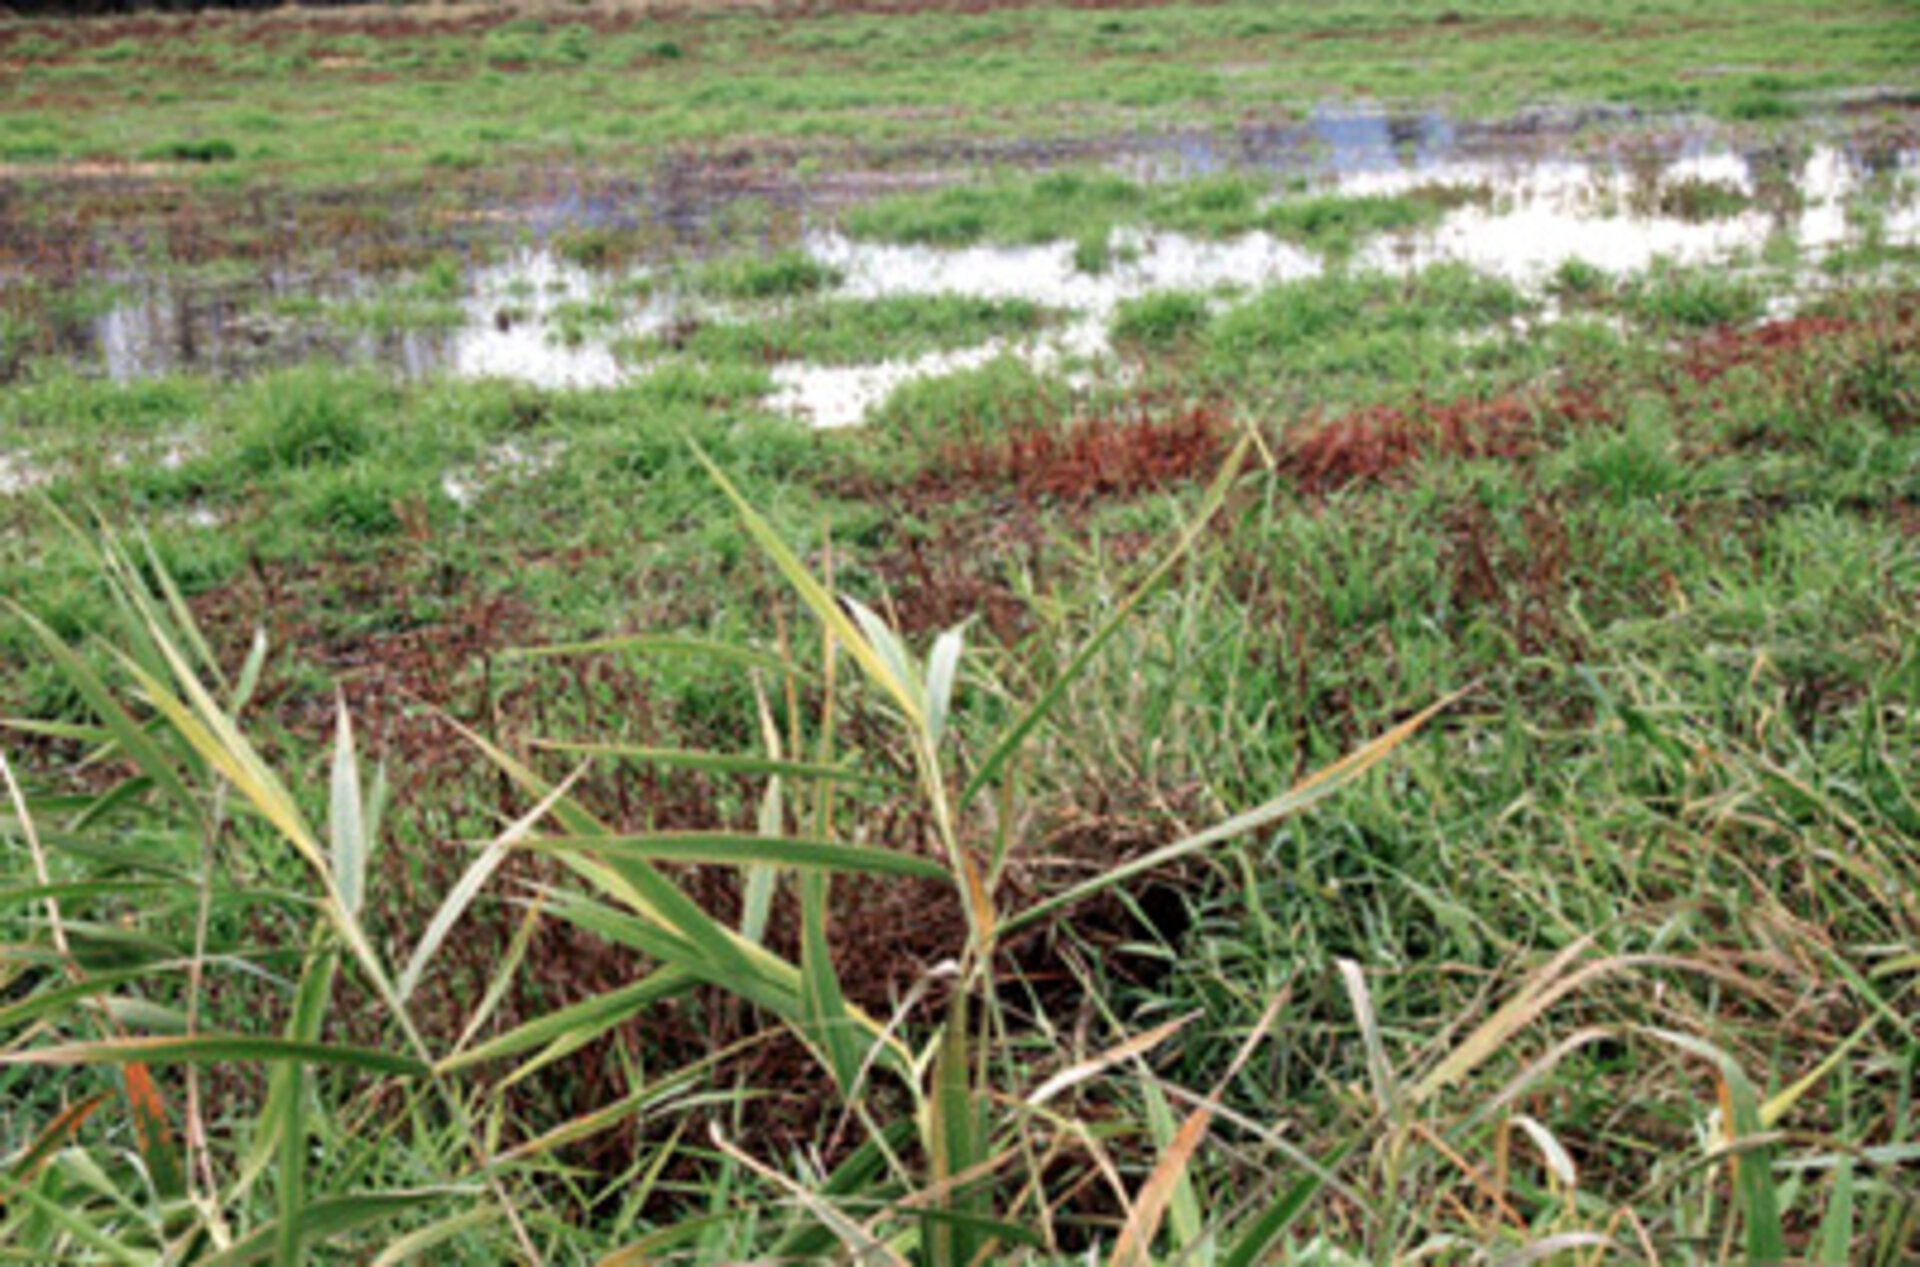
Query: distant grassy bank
{"points": [[410, 94]]}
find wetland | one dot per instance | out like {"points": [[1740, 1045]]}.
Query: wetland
{"points": [[953, 632]]}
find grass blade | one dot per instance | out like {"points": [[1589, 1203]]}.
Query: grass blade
{"points": [[329, 1217], [584, 1020], [152, 1130], [1094, 1065], [669, 644], [1308, 792], [827, 1022], [1253, 1243], [411, 1247], [1836, 1229], [822, 604], [127, 733], [1752, 1163], [952, 1145], [733, 849], [1010, 741], [468, 887], [51, 1139], [1386, 1088], [205, 1049], [943, 670], [346, 819], [718, 762]]}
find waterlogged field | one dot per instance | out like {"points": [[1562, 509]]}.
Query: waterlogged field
{"points": [[1248, 633]]}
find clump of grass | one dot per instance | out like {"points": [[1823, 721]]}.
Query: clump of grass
{"points": [[1054, 207], [1883, 379], [852, 332], [1336, 223], [1215, 207], [29, 150], [395, 311], [1697, 200], [597, 247], [367, 501], [456, 160], [1160, 322], [310, 418], [679, 385], [1691, 298], [784, 275], [1578, 281], [1093, 250], [443, 280], [1759, 105], [1081, 208], [1002, 396], [571, 322], [1360, 328], [1637, 461]]}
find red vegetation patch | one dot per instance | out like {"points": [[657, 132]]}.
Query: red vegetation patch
{"points": [[1371, 444], [1826, 363], [1716, 354], [1095, 458], [938, 582], [1521, 573]]}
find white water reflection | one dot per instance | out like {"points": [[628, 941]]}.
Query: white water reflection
{"points": [[513, 310], [1559, 211], [841, 395], [1047, 274], [1528, 243], [1142, 263]]}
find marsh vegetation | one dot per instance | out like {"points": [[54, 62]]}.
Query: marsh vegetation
{"points": [[1062, 633]]}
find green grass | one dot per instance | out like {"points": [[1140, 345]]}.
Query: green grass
{"points": [[1004, 395], [1678, 610], [1691, 572], [434, 123], [852, 332], [783, 275], [1014, 209], [1160, 321], [1216, 206], [1336, 225], [1692, 298], [1368, 335], [347, 105], [1695, 200]]}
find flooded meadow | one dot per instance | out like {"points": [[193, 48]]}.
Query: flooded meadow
{"points": [[587, 282], [953, 631]]}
